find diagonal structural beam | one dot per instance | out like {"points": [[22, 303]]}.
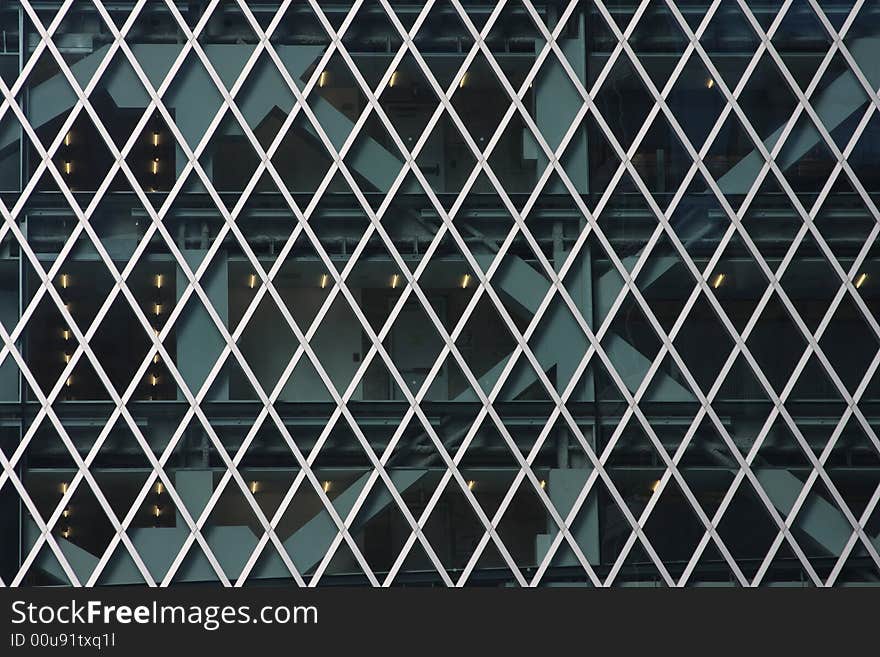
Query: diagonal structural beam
{"points": [[230, 543], [53, 97], [524, 286]]}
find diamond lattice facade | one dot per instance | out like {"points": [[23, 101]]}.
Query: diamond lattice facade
{"points": [[449, 293]]}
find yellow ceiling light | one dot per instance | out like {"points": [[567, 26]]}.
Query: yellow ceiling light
{"points": [[465, 281], [861, 280], [323, 79], [324, 278], [718, 281], [395, 280], [393, 80]]}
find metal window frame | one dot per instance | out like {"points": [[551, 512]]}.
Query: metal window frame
{"points": [[192, 53]]}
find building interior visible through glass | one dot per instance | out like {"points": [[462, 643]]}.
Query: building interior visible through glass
{"points": [[749, 334]]}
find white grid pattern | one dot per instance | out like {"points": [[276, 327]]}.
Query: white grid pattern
{"points": [[659, 111]]}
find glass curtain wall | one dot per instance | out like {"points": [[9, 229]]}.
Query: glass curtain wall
{"points": [[478, 293]]}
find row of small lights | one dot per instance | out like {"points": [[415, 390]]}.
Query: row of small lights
{"points": [[154, 164], [66, 532], [157, 310], [158, 509], [716, 281], [255, 487], [158, 281], [65, 282], [393, 283]]}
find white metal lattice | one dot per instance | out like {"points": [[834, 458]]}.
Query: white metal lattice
{"points": [[192, 53]]}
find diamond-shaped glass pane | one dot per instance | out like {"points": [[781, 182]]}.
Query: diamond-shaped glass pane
{"points": [[439, 293]]}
